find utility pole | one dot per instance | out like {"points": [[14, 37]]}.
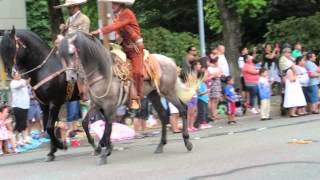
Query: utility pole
{"points": [[201, 28], [104, 18]]}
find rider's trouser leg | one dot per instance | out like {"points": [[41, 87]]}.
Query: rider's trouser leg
{"points": [[136, 57]]}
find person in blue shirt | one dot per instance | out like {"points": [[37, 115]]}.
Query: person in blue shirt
{"points": [[202, 105], [231, 98], [265, 94]]}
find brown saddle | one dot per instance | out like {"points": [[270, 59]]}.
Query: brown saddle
{"points": [[122, 67]]}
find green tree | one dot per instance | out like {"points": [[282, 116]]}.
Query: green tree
{"points": [[291, 30], [38, 18], [172, 44], [226, 16]]}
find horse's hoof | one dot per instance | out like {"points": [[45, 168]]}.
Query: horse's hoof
{"points": [[102, 161], [189, 146], [109, 152], [50, 158], [97, 151], [159, 150]]}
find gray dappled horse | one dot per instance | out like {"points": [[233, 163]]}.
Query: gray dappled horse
{"points": [[97, 61]]}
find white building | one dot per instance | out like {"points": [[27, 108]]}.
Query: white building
{"points": [[13, 12]]}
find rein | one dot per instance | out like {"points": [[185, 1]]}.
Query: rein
{"points": [[20, 43]]}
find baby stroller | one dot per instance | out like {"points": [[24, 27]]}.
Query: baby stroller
{"points": [[240, 104]]}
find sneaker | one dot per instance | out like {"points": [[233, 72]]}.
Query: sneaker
{"points": [[208, 126], [254, 111], [194, 129], [1, 153], [202, 126]]}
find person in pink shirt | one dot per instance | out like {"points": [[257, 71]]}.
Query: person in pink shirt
{"points": [[251, 78]]}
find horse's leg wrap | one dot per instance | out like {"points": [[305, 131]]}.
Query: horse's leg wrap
{"points": [[106, 140]]}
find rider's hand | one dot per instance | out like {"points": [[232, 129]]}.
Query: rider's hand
{"points": [[62, 27], [95, 33]]}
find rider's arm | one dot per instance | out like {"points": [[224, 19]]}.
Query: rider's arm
{"points": [[124, 19]]}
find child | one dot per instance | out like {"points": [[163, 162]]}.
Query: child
{"points": [[231, 99], [5, 134], [202, 104], [265, 94]]}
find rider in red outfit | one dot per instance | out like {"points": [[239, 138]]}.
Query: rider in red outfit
{"points": [[126, 26]]}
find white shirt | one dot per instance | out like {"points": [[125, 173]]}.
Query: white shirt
{"points": [[20, 95], [241, 64], [71, 18], [223, 64]]}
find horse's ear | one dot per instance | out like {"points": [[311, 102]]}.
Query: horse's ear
{"points": [[13, 32]]}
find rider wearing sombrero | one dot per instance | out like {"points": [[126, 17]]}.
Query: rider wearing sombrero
{"points": [[76, 21], [126, 26]]}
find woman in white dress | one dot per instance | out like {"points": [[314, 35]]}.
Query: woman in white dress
{"points": [[293, 97]]}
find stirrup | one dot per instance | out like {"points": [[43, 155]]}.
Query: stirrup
{"points": [[135, 104]]}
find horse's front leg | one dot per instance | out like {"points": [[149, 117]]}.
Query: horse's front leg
{"points": [[55, 143], [85, 125], [106, 142]]}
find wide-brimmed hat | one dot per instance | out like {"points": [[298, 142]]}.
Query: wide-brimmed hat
{"points": [[127, 2], [71, 3]]}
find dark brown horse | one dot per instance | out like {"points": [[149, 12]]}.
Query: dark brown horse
{"points": [[25, 51]]}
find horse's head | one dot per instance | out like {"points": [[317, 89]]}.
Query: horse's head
{"points": [[8, 50], [66, 47]]}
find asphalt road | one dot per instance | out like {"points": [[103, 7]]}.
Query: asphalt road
{"points": [[249, 150]]}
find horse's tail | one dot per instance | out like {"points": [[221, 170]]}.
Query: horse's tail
{"points": [[186, 91]]}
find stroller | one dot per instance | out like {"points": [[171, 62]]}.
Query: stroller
{"points": [[241, 107]]}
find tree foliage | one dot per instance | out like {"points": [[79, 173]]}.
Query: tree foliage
{"points": [[38, 19], [291, 30], [244, 8], [161, 41]]}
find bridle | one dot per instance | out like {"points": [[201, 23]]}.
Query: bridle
{"points": [[19, 44]]}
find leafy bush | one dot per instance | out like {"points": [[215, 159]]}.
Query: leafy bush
{"points": [[304, 30], [38, 18], [161, 41]]}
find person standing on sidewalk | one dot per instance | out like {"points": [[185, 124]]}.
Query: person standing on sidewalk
{"points": [[20, 105], [265, 94], [231, 97]]}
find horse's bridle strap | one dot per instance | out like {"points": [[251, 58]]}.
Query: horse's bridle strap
{"points": [[48, 78]]}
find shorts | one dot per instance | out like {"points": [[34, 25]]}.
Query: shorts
{"points": [[73, 111], [243, 84], [34, 113], [173, 109], [231, 108], [21, 119], [312, 94], [192, 102]]}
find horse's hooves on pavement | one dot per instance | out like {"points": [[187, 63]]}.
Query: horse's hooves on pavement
{"points": [[189, 146], [50, 158], [102, 161], [159, 150]]}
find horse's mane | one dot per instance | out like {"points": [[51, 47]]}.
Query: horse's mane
{"points": [[91, 49], [32, 38]]}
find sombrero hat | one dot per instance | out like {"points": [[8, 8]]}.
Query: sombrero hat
{"points": [[128, 2], [71, 3]]}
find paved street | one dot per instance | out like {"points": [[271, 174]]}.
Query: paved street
{"points": [[249, 150]]}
